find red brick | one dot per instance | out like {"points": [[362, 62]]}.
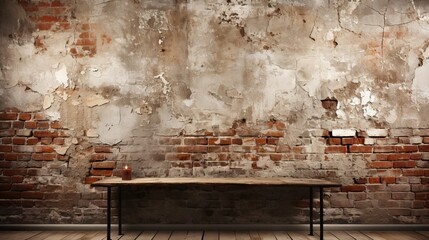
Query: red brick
{"points": [[353, 188], [44, 149], [373, 180], [90, 180], [98, 157], [56, 125], [19, 141], [272, 133], [105, 164], [18, 125], [415, 156], [422, 196], [45, 133], [59, 141], [10, 195], [49, 19], [11, 156], [388, 180], [192, 149], [46, 141], [59, 10], [30, 125], [32, 141], [23, 186], [86, 42], [24, 116], [103, 149], [425, 180], [237, 141], [404, 164], [384, 149], [272, 141], [7, 133], [219, 141], [5, 148], [12, 172], [178, 156], [426, 140], [8, 116], [4, 164], [413, 172], [407, 148], [360, 180], [6, 140], [57, 3], [44, 26], [398, 156], [40, 117], [169, 141], [423, 148], [360, 149], [283, 148], [260, 141], [43, 125], [334, 141], [99, 172], [44, 156], [16, 179], [32, 195], [5, 125], [4, 187], [276, 157], [336, 149], [381, 164], [86, 26]]}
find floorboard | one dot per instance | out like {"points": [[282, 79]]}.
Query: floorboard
{"points": [[214, 235]]}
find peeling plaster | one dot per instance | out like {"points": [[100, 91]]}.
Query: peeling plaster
{"points": [[96, 100]]}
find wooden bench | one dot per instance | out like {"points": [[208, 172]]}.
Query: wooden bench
{"points": [[292, 182]]}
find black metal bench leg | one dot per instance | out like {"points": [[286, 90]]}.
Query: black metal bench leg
{"points": [[321, 213], [119, 211], [109, 198], [310, 198]]}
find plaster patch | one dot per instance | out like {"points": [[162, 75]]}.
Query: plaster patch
{"points": [[21, 98], [165, 83], [61, 150], [61, 75], [420, 85], [391, 118], [114, 123], [48, 100], [96, 100]]}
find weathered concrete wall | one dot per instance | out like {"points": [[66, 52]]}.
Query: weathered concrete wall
{"points": [[330, 89]]}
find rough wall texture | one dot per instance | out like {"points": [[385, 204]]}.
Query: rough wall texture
{"points": [[325, 89]]}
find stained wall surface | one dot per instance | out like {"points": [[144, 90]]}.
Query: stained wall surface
{"points": [[334, 89]]}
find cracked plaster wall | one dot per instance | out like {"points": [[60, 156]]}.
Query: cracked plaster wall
{"points": [[176, 67], [224, 61]]}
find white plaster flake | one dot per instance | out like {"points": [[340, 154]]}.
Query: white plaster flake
{"points": [[165, 83], [61, 150]]}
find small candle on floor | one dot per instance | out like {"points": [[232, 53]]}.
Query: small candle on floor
{"points": [[126, 173]]}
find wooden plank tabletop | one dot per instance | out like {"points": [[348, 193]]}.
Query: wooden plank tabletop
{"points": [[114, 181]]}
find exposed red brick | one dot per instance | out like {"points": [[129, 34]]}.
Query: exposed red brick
{"points": [[56, 125], [336, 149], [7, 133], [18, 141], [24, 116], [46, 141], [191, 149], [373, 180], [426, 140], [45, 133], [11, 156], [413, 172], [415, 156], [98, 157], [12, 172], [44, 149], [57, 3], [18, 125], [334, 141], [32, 141], [8, 116], [16, 179], [43, 125], [276, 157], [388, 180], [4, 164], [407, 148], [353, 188], [44, 156], [103, 149], [170, 141], [5, 125], [423, 148], [32, 195], [381, 164], [23, 186], [219, 141], [30, 125], [6, 140], [5, 148], [422, 196], [10, 195], [100, 172], [272, 141], [398, 156], [272, 133], [59, 141], [260, 141], [92, 179], [404, 164], [105, 164], [283, 148], [178, 156], [360, 149]]}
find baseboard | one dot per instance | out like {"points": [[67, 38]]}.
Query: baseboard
{"points": [[225, 227]]}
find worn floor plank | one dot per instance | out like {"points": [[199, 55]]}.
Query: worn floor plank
{"points": [[301, 235], [242, 235], [194, 235], [267, 235], [162, 235], [254, 235], [426, 233], [211, 235], [342, 235], [281, 235], [327, 235], [227, 235], [179, 235], [18, 234], [50, 235], [146, 235], [130, 235], [358, 235], [393, 235]]}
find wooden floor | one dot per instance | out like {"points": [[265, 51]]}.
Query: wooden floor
{"points": [[214, 235]]}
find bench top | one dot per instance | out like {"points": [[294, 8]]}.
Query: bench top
{"points": [[309, 182]]}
